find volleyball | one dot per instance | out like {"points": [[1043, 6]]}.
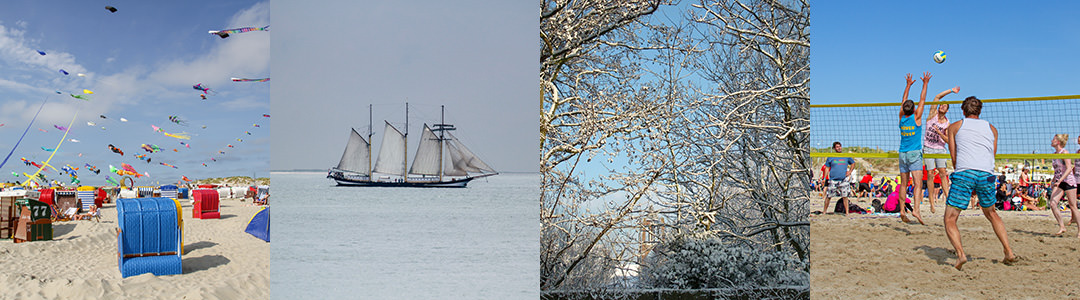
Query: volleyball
{"points": [[939, 57]]}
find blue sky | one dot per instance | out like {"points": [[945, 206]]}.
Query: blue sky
{"points": [[860, 51], [141, 63]]}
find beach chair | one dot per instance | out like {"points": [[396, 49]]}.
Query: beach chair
{"points": [[85, 194], [182, 193], [149, 237], [65, 199], [146, 192], [206, 204], [168, 191], [47, 195], [34, 223]]}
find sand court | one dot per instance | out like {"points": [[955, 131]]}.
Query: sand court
{"points": [[220, 261], [877, 256]]}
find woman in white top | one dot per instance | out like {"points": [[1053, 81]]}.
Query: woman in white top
{"points": [[934, 142], [1064, 183]]}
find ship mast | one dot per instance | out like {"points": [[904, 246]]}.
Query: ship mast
{"points": [[370, 132], [442, 127], [405, 165]]}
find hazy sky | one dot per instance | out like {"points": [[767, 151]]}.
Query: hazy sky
{"points": [[140, 62], [333, 58]]}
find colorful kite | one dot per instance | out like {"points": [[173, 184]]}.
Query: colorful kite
{"points": [[42, 130], [150, 148], [225, 33], [250, 79], [112, 181], [266, 115], [178, 120], [116, 150], [255, 125], [199, 86], [168, 165], [62, 128], [80, 97], [47, 149], [85, 91]]}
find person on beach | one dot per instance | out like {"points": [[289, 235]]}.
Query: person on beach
{"points": [[865, 185], [934, 143], [972, 146], [1063, 184], [911, 160], [837, 168]]}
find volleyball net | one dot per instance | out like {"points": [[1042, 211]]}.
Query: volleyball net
{"points": [[1025, 127]]}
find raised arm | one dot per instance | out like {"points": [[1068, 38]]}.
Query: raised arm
{"points": [[922, 98], [933, 108], [907, 88]]}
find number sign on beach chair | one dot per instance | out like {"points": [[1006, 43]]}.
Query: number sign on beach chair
{"points": [[206, 204], [35, 223], [150, 237]]}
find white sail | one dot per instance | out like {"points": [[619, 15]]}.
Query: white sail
{"points": [[448, 161], [392, 152], [357, 156], [426, 161], [464, 160]]}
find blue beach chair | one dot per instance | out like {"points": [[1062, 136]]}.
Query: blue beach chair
{"points": [[149, 239]]}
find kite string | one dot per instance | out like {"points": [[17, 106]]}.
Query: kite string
{"points": [[24, 132], [57, 149]]}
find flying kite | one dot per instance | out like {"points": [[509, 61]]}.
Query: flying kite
{"points": [[184, 178], [123, 120], [112, 181], [240, 140], [201, 87], [266, 115], [80, 74], [230, 146], [116, 150], [204, 164], [41, 52], [80, 97], [59, 93], [250, 79], [255, 125], [47, 149], [185, 144], [88, 123], [248, 132], [174, 150], [150, 148], [42, 130], [204, 127], [178, 120], [102, 116], [73, 140], [110, 9], [64, 72], [203, 96], [86, 91], [225, 33], [168, 165], [62, 128]]}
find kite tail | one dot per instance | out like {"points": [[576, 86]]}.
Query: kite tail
{"points": [[57, 147], [24, 132]]}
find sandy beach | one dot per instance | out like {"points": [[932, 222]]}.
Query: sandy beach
{"points": [[877, 256], [221, 261]]}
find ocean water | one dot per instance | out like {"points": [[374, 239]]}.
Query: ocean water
{"points": [[330, 242]]}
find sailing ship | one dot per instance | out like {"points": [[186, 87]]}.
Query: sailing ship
{"points": [[427, 168]]}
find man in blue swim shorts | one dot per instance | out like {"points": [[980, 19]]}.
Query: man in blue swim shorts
{"points": [[972, 146]]}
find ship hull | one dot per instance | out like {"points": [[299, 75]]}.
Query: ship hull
{"points": [[456, 183]]}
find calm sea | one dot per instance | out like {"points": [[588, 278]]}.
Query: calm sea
{"points": [[480, 242]]}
